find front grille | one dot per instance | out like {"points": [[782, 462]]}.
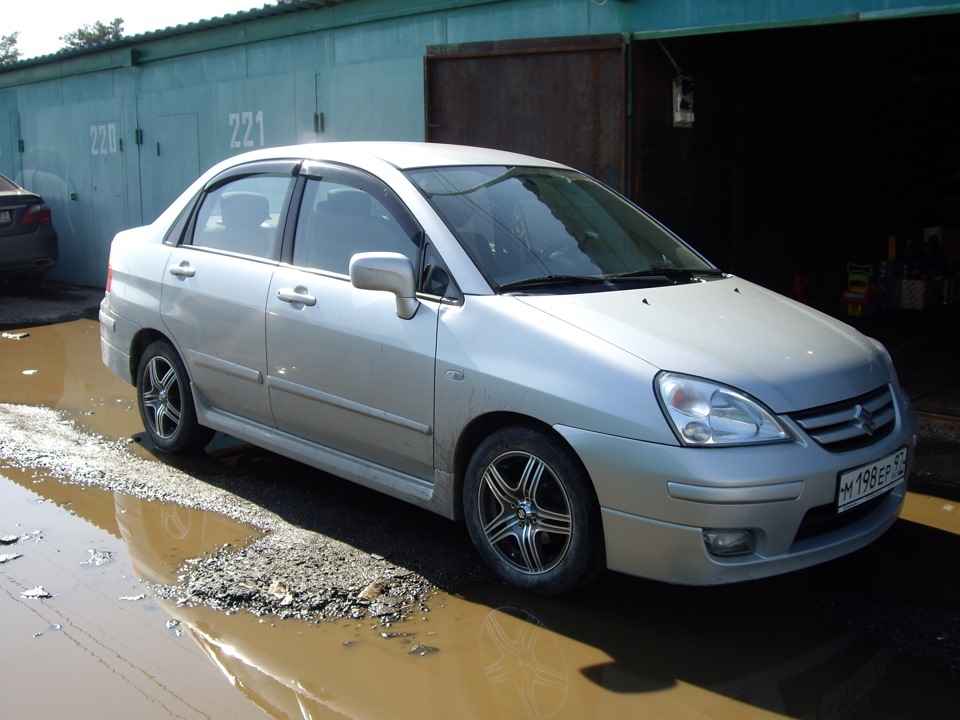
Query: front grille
{"points": [[851, 424]]}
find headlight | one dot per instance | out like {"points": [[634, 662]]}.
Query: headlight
{"points": [[707, 414]]}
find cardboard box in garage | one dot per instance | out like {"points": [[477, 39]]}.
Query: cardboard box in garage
{"points": [[919, 294]]}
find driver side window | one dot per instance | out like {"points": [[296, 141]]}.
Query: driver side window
{"points": [[338, 219]]}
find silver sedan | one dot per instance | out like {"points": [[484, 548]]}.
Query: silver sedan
{"points": [[503, 339]]}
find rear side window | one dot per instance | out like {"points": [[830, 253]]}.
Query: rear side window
{"points": [[243, 216]]}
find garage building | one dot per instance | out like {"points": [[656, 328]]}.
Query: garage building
{"points": [[806, 146]]}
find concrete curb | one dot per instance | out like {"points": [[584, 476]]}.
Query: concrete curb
{"points": [[949, 423]]}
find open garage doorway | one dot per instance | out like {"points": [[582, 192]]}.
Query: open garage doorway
{"points": [[811, 149]]}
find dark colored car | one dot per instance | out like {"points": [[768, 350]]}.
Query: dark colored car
{"points": [[28, 240]]}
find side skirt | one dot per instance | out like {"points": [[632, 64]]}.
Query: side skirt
{"points": [[434, 496]]}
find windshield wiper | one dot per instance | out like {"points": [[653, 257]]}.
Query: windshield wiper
{"points": [[553, 281], [664, 275], [668, 274]]}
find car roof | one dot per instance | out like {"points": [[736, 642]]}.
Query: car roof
{"points": [[372, 156], [401, 155]]}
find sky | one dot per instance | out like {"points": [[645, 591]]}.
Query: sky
{"points": [[41, 23]]}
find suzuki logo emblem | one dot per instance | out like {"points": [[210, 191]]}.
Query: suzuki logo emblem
{"points": [[863, 419]]}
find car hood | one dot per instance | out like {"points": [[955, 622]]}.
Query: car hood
{"points": [[781, 352]]}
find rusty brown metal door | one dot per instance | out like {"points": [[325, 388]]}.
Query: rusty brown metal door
{"points": [[559, 98]]}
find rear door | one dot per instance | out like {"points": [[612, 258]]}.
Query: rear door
{"points": [[345, 371], [216, 282]]}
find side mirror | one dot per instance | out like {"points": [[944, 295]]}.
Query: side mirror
{"points": [[391, 272]]}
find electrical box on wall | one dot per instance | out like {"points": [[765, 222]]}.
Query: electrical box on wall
{"points": [[683, 101]]}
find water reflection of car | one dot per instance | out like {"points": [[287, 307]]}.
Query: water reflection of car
{"points": [[506, 654], [502, 339], [28, 241]]}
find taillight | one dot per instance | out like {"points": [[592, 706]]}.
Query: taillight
{"points": [[109, 277], [36, 214]]}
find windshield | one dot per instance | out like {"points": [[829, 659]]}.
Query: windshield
{"points": [[524, 225]]}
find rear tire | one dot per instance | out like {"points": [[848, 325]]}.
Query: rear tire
{"points": [[166, 401], [532, 512]]}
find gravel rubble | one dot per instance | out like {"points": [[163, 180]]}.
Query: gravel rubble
{"points": [[289, 571], [936, 471]]}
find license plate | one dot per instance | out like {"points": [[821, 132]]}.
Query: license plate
{"points": [[4, 217], [866, 482]]}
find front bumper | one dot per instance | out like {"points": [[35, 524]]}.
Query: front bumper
{"points": [[656, 500]]}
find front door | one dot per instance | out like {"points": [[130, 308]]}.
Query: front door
{"points": [[344, 370]]}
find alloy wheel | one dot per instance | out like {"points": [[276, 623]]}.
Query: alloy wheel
{"points": [[525, 513], [161, 397]]}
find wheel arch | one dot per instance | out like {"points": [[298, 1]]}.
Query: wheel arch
{"points": [[485, 425], [141, 341]]}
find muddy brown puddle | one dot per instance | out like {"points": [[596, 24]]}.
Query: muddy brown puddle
{"points": [[103, 644]]}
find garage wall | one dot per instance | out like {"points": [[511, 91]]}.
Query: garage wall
{"points": [[111, 136], [9, 133]]}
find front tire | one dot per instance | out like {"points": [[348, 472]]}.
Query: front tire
{"points": [[166, 402], [532, 513]]}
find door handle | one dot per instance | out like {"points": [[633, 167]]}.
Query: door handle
{"points": [[182, 270], [296, 296]]}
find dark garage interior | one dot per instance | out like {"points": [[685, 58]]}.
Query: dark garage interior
{"points": [[812, 148]]}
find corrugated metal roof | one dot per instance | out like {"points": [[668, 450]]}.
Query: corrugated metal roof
{"points": [[278, 8]]}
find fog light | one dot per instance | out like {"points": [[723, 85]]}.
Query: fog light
{"points": [[729, 542]]}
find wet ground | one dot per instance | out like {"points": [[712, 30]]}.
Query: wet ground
{"points": [[239, 584]]}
